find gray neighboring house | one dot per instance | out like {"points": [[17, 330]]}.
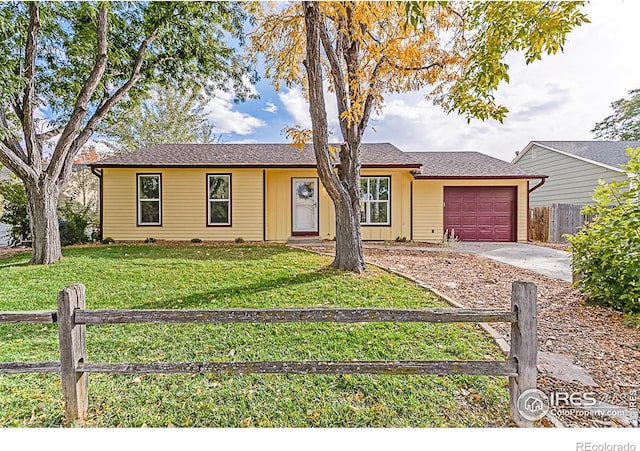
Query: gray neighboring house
{"points": [[573, 167]]}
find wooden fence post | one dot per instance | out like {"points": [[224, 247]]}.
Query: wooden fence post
{"points": [[524, 346], [73, 350]]}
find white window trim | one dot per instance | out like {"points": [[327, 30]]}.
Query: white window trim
{"points": [[209, 200], [370, 201], [159, 200]]}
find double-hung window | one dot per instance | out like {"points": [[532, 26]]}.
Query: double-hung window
{"points": [[375, 200], [149, 199], [218, 199]]}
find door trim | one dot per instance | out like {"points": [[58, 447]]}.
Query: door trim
{"points": [[305, 233]]}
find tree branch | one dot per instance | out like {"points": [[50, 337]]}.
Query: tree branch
{"points": [[416, 68], [336, 73], [317, 107], [61, 151], [14, 162], [42, 137], [34, 156], [368, 104], [10, 140], [106, 105]]}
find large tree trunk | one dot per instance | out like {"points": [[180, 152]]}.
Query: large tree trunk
{"points": [[344, 188], [349, 255], [42, 205]]}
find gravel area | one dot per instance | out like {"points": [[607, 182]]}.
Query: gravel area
{"points": [[591, 337]]}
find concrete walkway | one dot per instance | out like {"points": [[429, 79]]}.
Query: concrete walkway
{"points": [[542, 260]]}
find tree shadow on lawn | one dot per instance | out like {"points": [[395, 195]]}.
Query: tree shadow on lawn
{"points": [[240, 293], [185, 251]]}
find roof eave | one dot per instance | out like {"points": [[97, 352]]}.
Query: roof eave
{"points": [[482, 177], [553, 149], [249, 166]]}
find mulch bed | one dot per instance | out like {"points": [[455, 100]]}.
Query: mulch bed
{"points": [[592, 337]]}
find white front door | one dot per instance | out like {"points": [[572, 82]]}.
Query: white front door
{"points": [[305, 206]]}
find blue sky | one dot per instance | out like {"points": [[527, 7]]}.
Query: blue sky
{"points": [[558, 98]]}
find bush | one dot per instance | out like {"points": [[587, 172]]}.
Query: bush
{"points": [[196, 240], [150, 240], [606, 252], [73, 224], [107, 240], [14, 212], [401, 239], [239, 240]]}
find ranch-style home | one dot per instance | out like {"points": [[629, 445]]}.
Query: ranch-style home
{"points": [[271, 192]]}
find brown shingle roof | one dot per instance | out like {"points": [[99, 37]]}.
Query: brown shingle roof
{"points": [[467, 165], [432, 164], [262, 155]]}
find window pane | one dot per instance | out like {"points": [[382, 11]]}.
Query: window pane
{"points": [[363, 187], [363, 212], [149, 212], [379, 213], [219, 212], [382, 188], [219, 187], [149, 186]]}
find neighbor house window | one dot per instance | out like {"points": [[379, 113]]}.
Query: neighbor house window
{"points": [[219, 199], [375, 200], [149, 199]]}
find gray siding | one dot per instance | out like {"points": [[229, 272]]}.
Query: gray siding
{"points": [[571, 181]]}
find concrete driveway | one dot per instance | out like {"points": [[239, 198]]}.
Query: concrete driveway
{"points": [[542, 260]]}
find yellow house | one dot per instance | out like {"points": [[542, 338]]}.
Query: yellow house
{"points": [[271, 192]]}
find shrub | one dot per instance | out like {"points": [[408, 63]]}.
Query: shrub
{"points": [[107, 240], [239, 240], [73, 224], [401, 239], [606, 251], [150, 240], [196, 240], [14, 212]]}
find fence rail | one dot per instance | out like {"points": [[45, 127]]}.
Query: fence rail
{"points": [[72, 318]]}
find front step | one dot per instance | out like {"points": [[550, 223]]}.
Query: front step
{"points": [[296, 240]]}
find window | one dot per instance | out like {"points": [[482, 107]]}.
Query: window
{"points": [[219, 199], [375, 200], [149, 199]]}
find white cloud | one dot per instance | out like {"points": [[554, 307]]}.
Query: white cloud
{"points": [[270, 108], [220, 111], [297, 106]]}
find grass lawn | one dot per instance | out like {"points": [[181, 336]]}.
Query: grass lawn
{"points": [[202, 276]]}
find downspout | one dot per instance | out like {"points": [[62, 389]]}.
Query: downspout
{"points": [[98, 173], [531, 190]]}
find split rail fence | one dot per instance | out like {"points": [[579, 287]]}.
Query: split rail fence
{"points": [[72, 318]]}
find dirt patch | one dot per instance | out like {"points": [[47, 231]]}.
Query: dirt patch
{"points": [[592, 337]]}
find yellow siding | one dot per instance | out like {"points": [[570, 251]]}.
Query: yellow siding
{"points": [[428, 211], [279, 206], [184, 205]]}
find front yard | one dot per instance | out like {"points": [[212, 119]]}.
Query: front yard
{"points": [[202, 276]]}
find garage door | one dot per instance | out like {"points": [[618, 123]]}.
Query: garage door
{"points": [[477, 213]]}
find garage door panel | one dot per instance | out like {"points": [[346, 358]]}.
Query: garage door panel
{"points": [[483, 213]]}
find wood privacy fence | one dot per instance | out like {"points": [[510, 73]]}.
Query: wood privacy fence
{"points": [[72, 318], [550, 222]]}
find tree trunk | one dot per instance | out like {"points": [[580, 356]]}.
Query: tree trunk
{"points": [[343, 189], [42, 205], [349, 255]]}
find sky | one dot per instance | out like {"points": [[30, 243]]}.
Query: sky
{"points": [[559, 98]]}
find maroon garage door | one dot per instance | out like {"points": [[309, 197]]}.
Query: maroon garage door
{"points": [[478, 213]]}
